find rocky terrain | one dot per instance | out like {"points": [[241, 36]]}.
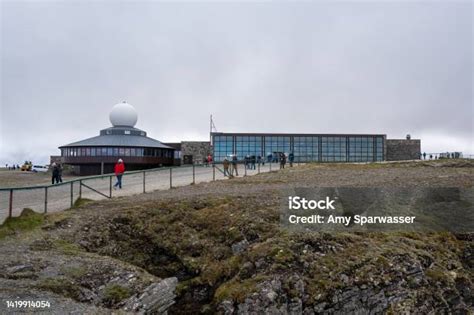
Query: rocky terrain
{"points": [[219, 248]]}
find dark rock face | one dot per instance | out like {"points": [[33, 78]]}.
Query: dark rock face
{"points": [[407, 289]]}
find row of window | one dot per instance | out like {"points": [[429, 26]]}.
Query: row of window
{"points": [[305, 148], [116, 151]]}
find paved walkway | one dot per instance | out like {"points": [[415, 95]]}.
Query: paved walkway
{"points": [[59, 196]]}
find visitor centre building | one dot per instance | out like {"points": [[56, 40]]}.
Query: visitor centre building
{"points": [[315, 147]]}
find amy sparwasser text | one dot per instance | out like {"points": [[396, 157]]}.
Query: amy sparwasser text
{"points": [[302, 204]]}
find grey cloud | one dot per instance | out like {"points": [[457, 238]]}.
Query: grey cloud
{"points": [[391, 67]]}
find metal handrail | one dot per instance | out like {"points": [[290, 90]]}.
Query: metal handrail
{"points": [[94, 177]]}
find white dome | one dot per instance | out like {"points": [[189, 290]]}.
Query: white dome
{"points": [[123, 114]]}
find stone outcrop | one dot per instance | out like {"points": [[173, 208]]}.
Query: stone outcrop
{"points": [[156, 299]]}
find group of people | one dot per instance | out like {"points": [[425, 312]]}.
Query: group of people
{"points": [[12, 167], [250, 161], [57, 174], [230, 165], [282, 159], [437, 156]]}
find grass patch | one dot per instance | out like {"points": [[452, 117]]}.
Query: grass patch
{"points": [[60, 286], [436, 274], [75, 272], [115, 293], [81, 201], [27, 221], [67, 247], [237, 290]]}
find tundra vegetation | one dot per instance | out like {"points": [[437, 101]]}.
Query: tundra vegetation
{"points": [[219, 248]]}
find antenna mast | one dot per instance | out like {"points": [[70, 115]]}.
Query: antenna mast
{"points": [[212, 128]]}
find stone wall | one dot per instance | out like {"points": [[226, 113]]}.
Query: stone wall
{"points": [[402, 149], [197, 149]]}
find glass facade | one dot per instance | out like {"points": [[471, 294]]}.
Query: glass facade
{"points": [[323, 148], [334, 149], [116, 151]]}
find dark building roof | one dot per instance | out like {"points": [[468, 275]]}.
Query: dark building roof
{"points": [[120, 137], [293, 134]]}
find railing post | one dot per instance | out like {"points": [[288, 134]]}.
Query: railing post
{"points": [[213, 172], [144, 182], [258, 166], [194, 174], [245, 169], [171, 177], [72, 194], [10, 205], [270, 165], [110, 186], [80, 189], [46, 199]]}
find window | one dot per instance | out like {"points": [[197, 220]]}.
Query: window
{"points": [[306, 148], [361, 149], [333, 149], [276, 144], [223, 146], [248, 145]]}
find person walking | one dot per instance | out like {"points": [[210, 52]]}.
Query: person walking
{"points": [[282, 160], [253, 160], [234, 165], [291, 157], [424, 155], [55, 174], [119, 169], [59, 179], [209, 160], [226, 167]]}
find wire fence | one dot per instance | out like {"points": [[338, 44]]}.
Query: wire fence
{"points": [[52, 198], [57, 197]]}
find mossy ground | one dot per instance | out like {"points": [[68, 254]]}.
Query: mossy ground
{"points": [[115, 293], [191, 234], [62, 286], [27, 221], [193, 239]]}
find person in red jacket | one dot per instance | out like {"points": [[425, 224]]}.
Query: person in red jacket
{"points": [[119, 169]]}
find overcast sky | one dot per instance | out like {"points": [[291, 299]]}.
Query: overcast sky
{"points": [[347, 67]]}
